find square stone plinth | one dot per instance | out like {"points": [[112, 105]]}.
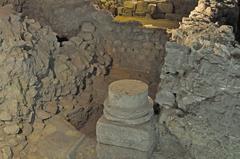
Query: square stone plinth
{"points": [[116, 152], [140, 137]]}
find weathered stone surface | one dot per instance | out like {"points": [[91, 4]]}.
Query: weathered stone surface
{"points": [[199, 92], [70, 16], [52, 107], [88, 27], [11, 129], [128, 117], [128, 102], [36, 73], [115, 152], [204, 94], [41, 114], [5, 116], [165, 7], [58, 139], [6, 153], [140, 137], [27, 129], [199, 82]]}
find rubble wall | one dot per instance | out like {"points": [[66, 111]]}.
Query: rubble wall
{"points": [[39, 74], [199, 89]]}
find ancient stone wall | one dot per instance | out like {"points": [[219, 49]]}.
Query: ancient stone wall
{"points": [[167, 9], [42, 75], [137, 53], [131, 47], [199, 89], [136, 48], [182, 8], [207, 13], [39, 74], [121, 41]]}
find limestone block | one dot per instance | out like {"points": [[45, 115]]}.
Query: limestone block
{"points": [[128, 12], [120, 10], [209, 12], [129, 4], [6, 153], [140, 137], [27, 129], [201, 7], [165, 7], [141, 8], [11, 129], [165, 98], [151, 8], [51, 108], [5, 116]]}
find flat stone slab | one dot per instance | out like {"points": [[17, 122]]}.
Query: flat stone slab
{"points": [[140, 137]]}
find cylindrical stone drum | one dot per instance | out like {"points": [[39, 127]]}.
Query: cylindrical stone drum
{"points": [[128, 102]]}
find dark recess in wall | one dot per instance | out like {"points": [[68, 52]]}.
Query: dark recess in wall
{"points": [[238, 25], [61, 39]]}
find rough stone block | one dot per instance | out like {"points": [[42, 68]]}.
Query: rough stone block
{"points": [[165, 7], [140, 137], [129, 4]]}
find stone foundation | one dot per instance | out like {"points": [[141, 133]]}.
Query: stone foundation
{"points": [[115, 152], [128, 117], [140, 137]]}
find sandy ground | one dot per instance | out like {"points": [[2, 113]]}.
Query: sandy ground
{"points": [[149, 23]]}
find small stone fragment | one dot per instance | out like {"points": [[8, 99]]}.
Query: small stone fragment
{"points": [[127, 121], [52, 108], [43, 115], [27, 129], [11, 129], [5, 116], [7, 153]]}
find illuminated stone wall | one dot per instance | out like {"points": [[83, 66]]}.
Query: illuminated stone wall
{"points": [[199, 89]]}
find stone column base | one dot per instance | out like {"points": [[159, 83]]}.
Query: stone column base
{"points": [[115, 152], [140, 137]]}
